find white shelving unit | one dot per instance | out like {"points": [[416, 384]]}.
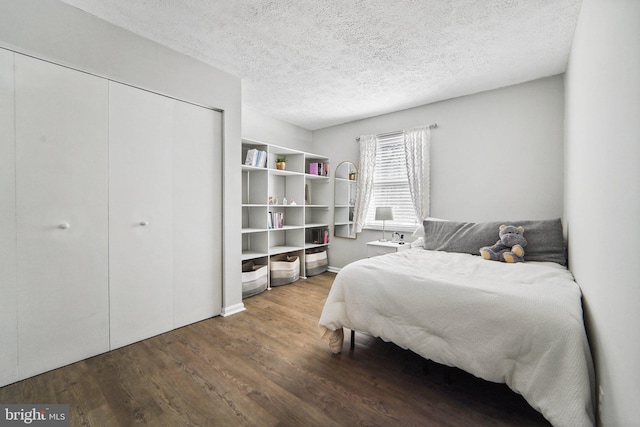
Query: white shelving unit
{"points": [[294, 227], [345, 200]]}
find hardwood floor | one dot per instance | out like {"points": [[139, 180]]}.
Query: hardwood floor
{"points": [[267, 366]]}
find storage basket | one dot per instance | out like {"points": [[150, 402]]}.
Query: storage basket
{"points": [[316, 262], [284, 269], [254, 279]]}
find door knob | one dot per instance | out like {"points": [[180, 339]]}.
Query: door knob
{"points": [[64, 226]]}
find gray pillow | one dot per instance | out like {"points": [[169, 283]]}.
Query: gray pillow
{"points": [[545, 241]]}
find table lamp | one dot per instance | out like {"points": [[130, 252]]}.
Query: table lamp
{"points": [[383, 214]]}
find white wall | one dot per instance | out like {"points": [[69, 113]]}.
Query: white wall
{"points": [[263, 128], [602, 199], [494, 155], [54, 31]]}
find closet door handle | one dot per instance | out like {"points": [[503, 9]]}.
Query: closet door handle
{"points": [[144, 223], [64, 226]]}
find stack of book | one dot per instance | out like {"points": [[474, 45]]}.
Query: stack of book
{"points": [[257, 158], [275, 219], [319, 168]]}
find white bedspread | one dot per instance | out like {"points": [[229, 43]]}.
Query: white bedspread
{"points": [[520, 324]]}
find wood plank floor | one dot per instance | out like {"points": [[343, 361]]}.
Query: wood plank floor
{"points": [[267, 366]]}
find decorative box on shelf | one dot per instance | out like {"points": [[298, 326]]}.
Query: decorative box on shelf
{"points": [[320, 235]]}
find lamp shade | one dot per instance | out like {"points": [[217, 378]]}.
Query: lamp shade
{"points": [[384, 213]]}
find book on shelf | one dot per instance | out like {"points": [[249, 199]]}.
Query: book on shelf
{"points": [[319, 168], [255, 157], [251, 155], [275, 220]]}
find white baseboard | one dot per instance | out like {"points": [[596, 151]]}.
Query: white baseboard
{"points": [[234, 309], [334, 269]]}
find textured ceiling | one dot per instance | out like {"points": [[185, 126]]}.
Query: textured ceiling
{"points": [[318, 63]]}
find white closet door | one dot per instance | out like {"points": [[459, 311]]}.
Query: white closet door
{"points": [[8, 292], [197, 213], [61, 173], [140, 214]]}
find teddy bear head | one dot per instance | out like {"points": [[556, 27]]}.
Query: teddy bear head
{"points": [[511, 235]]}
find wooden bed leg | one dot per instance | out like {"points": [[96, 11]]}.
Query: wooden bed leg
{"points": [[353, 339]]}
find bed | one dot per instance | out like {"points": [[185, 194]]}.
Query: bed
{"points": [[519, 324]]}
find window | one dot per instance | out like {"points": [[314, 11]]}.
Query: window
{"points": [[391, 186]]}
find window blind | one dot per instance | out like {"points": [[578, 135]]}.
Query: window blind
{"points": [[391, 185]]}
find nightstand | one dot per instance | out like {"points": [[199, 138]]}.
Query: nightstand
{"points": [[377, 247]]}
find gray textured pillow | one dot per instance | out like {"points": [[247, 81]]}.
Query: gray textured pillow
{"points": [[545, 241]]}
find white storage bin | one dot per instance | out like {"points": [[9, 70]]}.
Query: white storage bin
{"points": [[284, 269], [254, 279], [316, 262]]}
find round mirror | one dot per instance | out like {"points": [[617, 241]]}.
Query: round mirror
{"points": [[344, 200]]}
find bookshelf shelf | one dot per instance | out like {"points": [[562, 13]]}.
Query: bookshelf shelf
{"points": [[344, 199]]}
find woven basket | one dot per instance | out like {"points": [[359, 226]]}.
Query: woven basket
{"points": [[316, 263], [254, 279], [284, 269]]}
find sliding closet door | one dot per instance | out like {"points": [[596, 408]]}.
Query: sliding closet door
{"points": [[8, 292], [197, 212], [61, 174], [140, 214]]}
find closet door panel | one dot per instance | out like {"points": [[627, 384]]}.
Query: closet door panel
{"points": [[140, 214], [197, 229], [8, 291], [62, 248]]}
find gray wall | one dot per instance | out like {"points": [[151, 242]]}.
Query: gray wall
{"points": [[494, 155], [54, 31], [603, 195], [263, 128]]}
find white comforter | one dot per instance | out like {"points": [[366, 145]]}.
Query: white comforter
{"points": [[521, 324]]}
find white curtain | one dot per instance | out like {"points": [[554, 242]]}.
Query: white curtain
{"points": [[364, 187], [417, 147]]}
